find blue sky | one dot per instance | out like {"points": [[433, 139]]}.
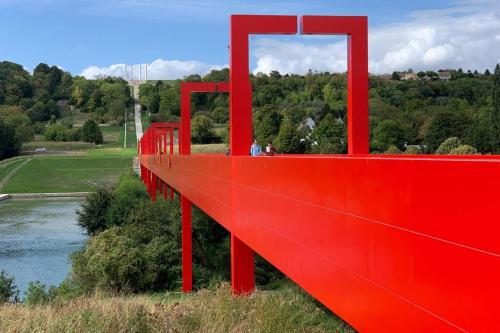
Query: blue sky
{"points": [[176, 37]]}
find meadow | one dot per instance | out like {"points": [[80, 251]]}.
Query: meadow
{"points": [[49, 174]]}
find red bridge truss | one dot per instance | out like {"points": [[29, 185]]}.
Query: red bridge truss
{"points": [[389, 243]]}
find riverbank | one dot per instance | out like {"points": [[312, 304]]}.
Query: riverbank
{"points": [[41, 196]]}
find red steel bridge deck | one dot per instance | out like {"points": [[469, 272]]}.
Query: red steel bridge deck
{"points": [[389, 243]]}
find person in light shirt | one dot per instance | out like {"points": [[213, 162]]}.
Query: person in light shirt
{"points": [[255, 149]]}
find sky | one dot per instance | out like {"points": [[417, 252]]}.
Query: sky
{"points": [[181, 37]]}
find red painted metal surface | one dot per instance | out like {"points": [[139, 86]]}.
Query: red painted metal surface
{"points": [[389, 243]]}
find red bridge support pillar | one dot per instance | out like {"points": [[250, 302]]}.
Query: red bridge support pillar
{"points": [[187, 256], [242, 267], [154, 182]]}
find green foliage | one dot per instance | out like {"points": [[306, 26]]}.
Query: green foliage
{"points": [[413, 150], [446, 124], [495, 115], [388, 133], [448, 145], [8, 289], [38, 293], [129, 193], [202, 130], [288, 140], [92, 215], [56, 132], [91, 132], [266, 123], [464, 150], [220, 115], [329, 136], [393, 150], [9, 143]]}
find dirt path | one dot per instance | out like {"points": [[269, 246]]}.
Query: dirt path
{"points": [[13, 172]]}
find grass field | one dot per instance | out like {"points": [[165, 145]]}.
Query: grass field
{"points": [[7, 166], [287, 310], [66, 174]]}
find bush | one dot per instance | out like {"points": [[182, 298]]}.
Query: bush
{"points": [[56, 132], [39, 293], [202, 130], [144, 254], [8, 290], [9, 143], [392, 150], [413, 150], [464, 150], [92, 215], [91, 132], [129, 193], [447, 145]]}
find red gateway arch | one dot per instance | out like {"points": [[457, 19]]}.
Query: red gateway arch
{"points": [[389, 243]]}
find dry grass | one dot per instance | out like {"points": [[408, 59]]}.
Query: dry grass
{"points": [[288, 310]]}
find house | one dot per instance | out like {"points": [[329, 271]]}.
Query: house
{"points": [[444, 75], [409, 76]]}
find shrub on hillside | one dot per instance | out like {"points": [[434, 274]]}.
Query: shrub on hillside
{"points": [[91, 132], [56, 132], [128, 194], [92, 214], [464, 150], [447, 145], [202, 130], [142, 255], [8, 290], [39, 293]]}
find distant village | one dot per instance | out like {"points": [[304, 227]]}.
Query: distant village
{"points": [[441, 75]]}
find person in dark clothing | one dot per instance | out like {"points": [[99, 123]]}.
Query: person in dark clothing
{"points": [[270, 150]]}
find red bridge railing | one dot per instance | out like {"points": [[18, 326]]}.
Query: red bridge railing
{"points": [[389, 243]]}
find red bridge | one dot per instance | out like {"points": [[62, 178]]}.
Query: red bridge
{"points": [[389, 243]]}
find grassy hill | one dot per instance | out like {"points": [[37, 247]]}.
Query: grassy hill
{"points": [[285, 310]]}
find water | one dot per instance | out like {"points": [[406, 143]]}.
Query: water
{"points": [[36, 239]]}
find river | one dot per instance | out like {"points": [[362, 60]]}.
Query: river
{"points": [[37, 238]]}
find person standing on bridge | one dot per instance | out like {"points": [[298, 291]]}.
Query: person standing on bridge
{"points": [[255, 149], [270, 150]]}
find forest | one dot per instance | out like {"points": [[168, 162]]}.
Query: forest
{"points": [[33, 104], [307, 113]]}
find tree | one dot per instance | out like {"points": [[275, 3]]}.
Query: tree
{"points": [[487, 72], [445, 124], [288, 140], [38, 112], [329, 136], [91, 132], [9, 143], [8, 290], [154, 103], [92, 214], [448, 145], [464, 150], [395, 76], [495, 115], [388, 133], [56, 132], [266, 123], [202, 130]]}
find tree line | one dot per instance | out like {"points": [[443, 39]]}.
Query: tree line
{"points": [[33, 103], [308, 113]]}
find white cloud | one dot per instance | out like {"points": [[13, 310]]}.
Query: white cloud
{"points": [[159, 69], [463, 36]]}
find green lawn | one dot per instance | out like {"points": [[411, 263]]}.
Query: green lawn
{"points": [[67, 174], [7, 166]]}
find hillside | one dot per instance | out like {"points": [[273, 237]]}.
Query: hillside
{"points": [[284, 310]]}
